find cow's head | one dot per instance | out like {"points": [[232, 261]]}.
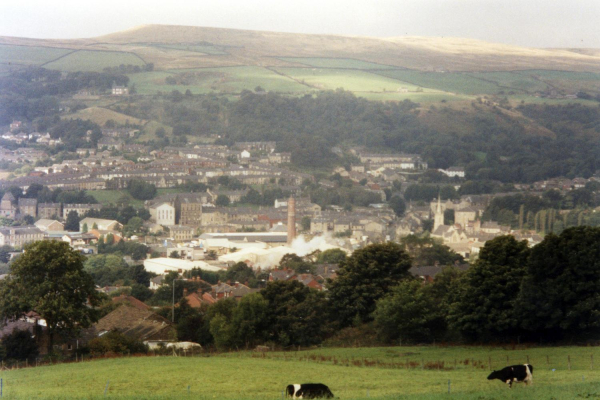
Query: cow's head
{"points": [[494, 375]]}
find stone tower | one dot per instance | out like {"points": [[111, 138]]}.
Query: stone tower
{"points": [[291, 228], [438, 219]]}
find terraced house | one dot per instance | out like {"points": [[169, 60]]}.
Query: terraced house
{"points": [[19, 236]]}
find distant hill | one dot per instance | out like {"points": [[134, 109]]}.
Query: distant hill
{"points": [[193, 47]]}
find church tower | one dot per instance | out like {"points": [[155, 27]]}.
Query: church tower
{"points": [[439, 215]]}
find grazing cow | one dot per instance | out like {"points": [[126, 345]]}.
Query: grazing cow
{"points": [[308, 391], [514, 373]]}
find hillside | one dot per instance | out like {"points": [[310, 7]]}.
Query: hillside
{"points": [[210, 47], [163, 58]]}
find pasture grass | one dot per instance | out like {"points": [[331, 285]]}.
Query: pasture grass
{"points": [[86, 60], [223, 80], [337, 63], [106, 197], [248, 375], [29, 55], [352, 80], [512, 81], [454, 82], [100, 115], [204, 49]]}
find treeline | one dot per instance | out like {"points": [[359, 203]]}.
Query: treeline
{"points": [[512, 293], [552, 212], [492, 145], [33, 92]]}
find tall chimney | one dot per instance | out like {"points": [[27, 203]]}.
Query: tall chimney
{"points": [[291, 234]]}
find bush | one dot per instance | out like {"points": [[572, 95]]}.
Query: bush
{"points": [[117, 343], [20, 345]]}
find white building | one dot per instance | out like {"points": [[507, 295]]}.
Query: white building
{"points": [[165, 214], [163, 265]]}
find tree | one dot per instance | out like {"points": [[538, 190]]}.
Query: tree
{"points": [[174, 254], [305, 223], [222, 200], [48, 278], [240, 272], [297, 315], [84, 228], [332, 256], [5, 253], [20, 345], [72, 223], [141, 292], [249, 322], [560, 293], [365, 277], [296, 263], [409, 313], [398, 205], [487, 305]]}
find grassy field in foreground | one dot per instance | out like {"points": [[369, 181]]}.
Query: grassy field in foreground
{"points": [[249, 376]]}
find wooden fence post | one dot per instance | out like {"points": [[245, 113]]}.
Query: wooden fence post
{"points": [[547, 360], [592, 362], [569, 362]]}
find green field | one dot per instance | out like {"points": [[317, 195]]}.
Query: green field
{"points": [[352, 80], [224, 80], [211, 50], [379, 373], [454, 82], [508, 81], [85, 60], [106, 197], [29, 55], [336, 63]]}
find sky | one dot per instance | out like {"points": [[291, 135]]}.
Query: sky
{"points": [[531, 23]]}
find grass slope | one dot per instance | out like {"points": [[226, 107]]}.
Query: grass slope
{"points": [[224, 80], [29, 55], [336, 63], [240, 376], [100, 115], [352, 80], [94, 61]]}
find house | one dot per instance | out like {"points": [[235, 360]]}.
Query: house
{"points": [[80, 209], [453, 171], [110, 143], [137, 322], [100, 224], [27, 207], [8, 206], [156, 282], [181, 233], [18, 236], [165, 214], [120, 90], [78, 239], [49, 210], [49, 225]]}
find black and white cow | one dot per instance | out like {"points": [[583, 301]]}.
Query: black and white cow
{"points": [[308, 391], [514, 373]]}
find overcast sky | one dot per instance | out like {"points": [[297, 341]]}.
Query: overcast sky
{"points": [[535, 23]]}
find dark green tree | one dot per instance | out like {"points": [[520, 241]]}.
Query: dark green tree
{"points": [[49, 278], [222, 200], [409, 313], [365, 277], [297, 315], [488, 299], [72, 223], [20, 345], [398, 205], [560, 296], [332, 256]]}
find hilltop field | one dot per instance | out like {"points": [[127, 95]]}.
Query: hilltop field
{"points": [[357, 373], [227, 61]]}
